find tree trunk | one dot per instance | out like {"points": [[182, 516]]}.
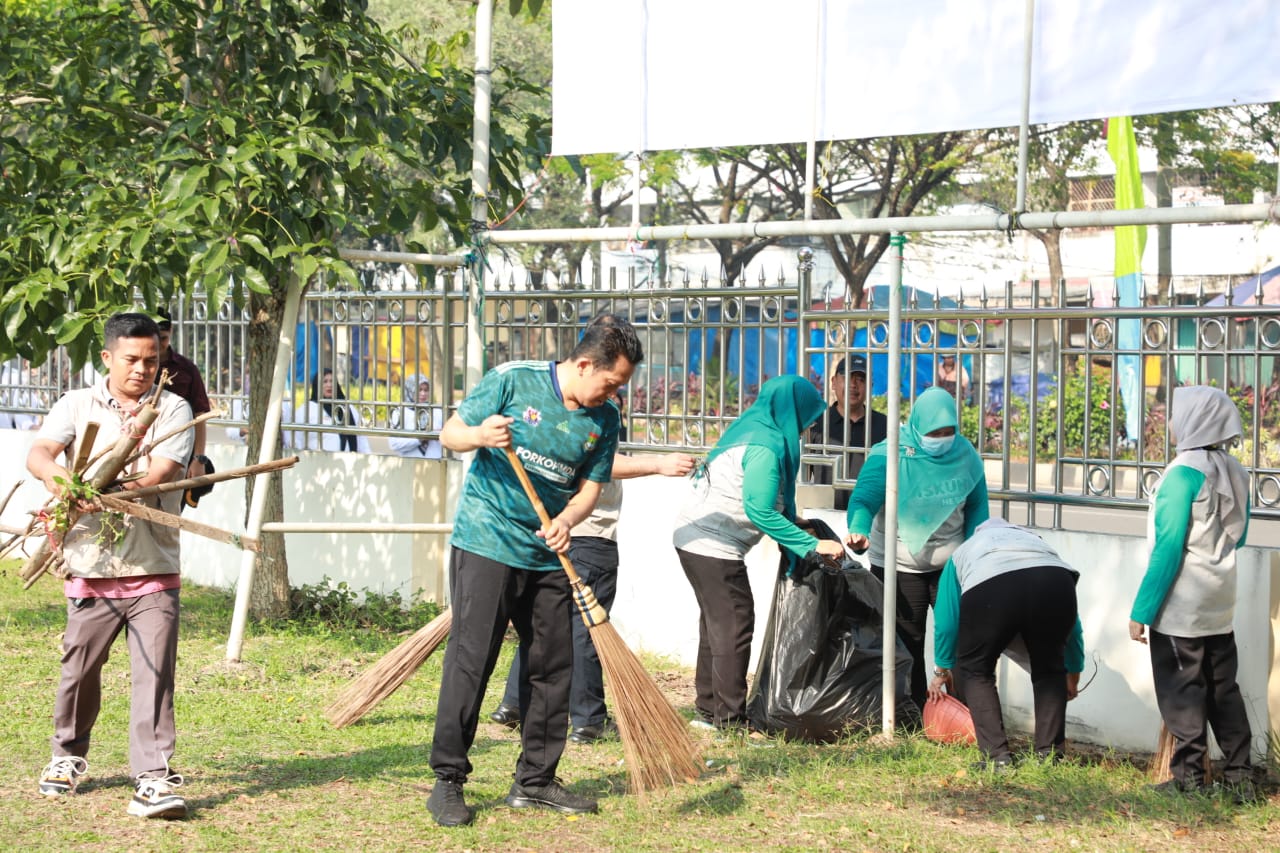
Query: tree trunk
{"points": [[1051, 239], [269, 596]]}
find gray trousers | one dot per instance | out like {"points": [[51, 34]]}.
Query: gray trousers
{"points": [[152, 636]]}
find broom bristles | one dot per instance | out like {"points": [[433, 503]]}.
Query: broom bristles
{"points": [[393, 669], [1159, 770], [655, 739]]}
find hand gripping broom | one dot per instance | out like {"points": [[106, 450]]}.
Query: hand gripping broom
{"points": [[655, 740]]}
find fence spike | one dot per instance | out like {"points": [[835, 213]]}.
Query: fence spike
{"points": [[706, 278], [1200, 292]]}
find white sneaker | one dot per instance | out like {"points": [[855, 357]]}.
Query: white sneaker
{"points": [[155, 798], [61, 775]]}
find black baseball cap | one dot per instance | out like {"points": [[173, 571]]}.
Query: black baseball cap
{"points": [[856, 364]]}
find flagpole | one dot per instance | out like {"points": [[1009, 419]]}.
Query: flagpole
{"points": [[1024, 130]]}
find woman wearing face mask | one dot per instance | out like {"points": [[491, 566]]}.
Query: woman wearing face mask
{"points": [[942, 498]]}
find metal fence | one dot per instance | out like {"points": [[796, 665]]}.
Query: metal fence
{"points": [[1063, 412]]}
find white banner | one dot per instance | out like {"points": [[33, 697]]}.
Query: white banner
{"points": [[661, 74]]}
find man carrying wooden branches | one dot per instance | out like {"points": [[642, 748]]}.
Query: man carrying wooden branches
{"points": [[122, 573], [503, 567]]}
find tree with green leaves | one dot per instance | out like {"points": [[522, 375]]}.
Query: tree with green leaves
{"points": [[1055, 153], [889, 176], [1228, 147], [148, 149]]}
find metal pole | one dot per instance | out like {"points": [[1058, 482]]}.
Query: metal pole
{"points": [[811, 146], [889, 671], [402, 257], [480, 187], [357, 527], [896, 224], [1024, 130], [266, 453], [635, 190]]}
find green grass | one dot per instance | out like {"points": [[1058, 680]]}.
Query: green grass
{"points": [[266, 772]]}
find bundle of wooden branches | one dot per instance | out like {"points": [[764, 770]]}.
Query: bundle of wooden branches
{"points": [[105, 477]]}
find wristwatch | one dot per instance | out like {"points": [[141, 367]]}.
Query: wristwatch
{"points": [[937, 670]]}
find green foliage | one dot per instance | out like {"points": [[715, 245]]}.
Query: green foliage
{"points": [[222, 146], [339, 607], [1086, 413]]}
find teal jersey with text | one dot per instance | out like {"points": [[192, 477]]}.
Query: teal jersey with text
{"points": [[559, 448]]}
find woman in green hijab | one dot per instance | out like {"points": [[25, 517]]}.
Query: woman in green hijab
{"points": [[745, 490], [942, 498]]}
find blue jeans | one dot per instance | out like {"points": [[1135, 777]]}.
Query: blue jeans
{"points": [[596, 561]]}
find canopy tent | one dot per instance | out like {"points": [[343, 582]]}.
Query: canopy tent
{"points": [[1246, 293]]}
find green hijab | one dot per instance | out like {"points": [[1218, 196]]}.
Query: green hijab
{"points": [[930, 487], [785, 408]]}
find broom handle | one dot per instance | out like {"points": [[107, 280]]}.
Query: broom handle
{"points": [[540, 510]]}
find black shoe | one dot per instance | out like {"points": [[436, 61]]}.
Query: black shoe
{"points": [[608, 730], [1242, 792], [506, 716], [999, 765], [1178, 786], [549, 796], [1052, 757], [447, 805]]}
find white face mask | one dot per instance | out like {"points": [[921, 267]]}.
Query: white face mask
{"points": [[936, 445]]}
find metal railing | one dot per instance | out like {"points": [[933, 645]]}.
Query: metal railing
{"points": [[1044, 402]]}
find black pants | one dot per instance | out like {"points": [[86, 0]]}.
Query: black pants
{"points": [[1195, 681], [917, 591], [596, 561], [725, 626], [1040, 605], [485, 595]]}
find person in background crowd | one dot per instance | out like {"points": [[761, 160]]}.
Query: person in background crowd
{"points": [[746, 490], [594, 554], [327, 405], [422, 417], [849, 422], [952, 377], [185, 381], [1199, 517], [942, 498], [1006, 582], [16, 378], [556, 418], [130, 585]]}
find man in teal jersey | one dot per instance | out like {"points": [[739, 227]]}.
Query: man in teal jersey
{"points": [[503, 567]]}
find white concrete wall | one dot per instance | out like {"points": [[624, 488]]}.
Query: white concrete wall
{"points": [[655, 610]]}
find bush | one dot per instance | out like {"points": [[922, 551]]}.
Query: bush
{"points": [[339, 606], [1080, 409]]}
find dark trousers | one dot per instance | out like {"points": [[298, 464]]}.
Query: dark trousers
{"points": [[725, 626], [1195, 681], [484, 596], [917, 591], [152, 638], [1040, 605], [596, 561]]}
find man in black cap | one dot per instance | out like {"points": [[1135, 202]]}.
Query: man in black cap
{"points": [[849, 407]]}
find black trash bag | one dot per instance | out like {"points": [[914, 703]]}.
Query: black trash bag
{"points": [[819, 672]]}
